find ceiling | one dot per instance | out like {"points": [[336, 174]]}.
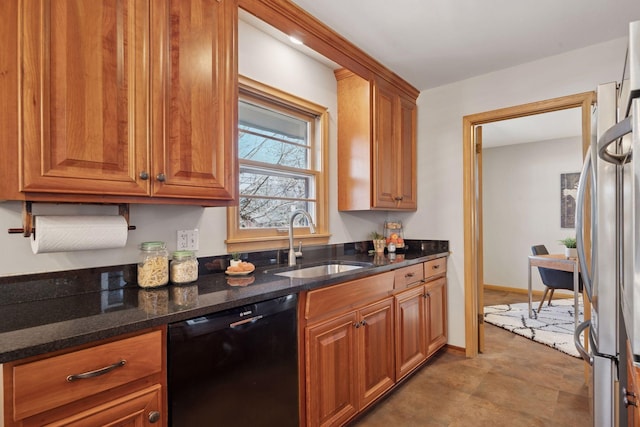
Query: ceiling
{"points": [[430, 43]]}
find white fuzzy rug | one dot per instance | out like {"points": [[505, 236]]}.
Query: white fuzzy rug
{"points": [[553, 326]]}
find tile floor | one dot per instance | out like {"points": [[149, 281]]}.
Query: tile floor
{"points": [[515, 382]]}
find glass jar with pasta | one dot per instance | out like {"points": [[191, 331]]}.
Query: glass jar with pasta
{"points": [[153, 266]]}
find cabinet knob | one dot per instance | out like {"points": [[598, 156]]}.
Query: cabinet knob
{"points": [[144, 175], [364, 323], [627, 392], [398, 198], [357, 325], [154, 416], [628, 402], [627, 395], [161, 177]]}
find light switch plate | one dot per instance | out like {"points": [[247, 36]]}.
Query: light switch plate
{"points": [[187, 240]]}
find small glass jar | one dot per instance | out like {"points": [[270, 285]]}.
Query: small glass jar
{"points": [[393, 233], [184, 267], [153, 266]]}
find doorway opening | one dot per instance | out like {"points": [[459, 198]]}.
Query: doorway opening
{"points": [[472, 194]]}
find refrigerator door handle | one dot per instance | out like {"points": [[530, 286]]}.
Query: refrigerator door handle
{"points": [[612, 134], [576, 340], [588, 171]]}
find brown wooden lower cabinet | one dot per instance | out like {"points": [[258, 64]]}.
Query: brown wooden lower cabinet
{"points": [[633, 391], [411, 327], [375, 351], [436, 300], [361, 337], [421, 324], [119, 382], [139, 408], [349, 363]]}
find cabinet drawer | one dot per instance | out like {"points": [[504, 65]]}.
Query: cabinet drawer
{"points": [[46, 384], [348, 294], [407, 276], [435, 267]]}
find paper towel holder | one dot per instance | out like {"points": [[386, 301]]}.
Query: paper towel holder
{"points": [[27, 218]]}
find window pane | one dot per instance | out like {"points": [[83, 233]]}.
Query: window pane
{"points": [[268, 121], [269, 213], [254, 183], [263, 148]]}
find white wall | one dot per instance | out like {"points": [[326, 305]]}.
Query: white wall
{"points": [[521, 205], [440, 113], [261, 58]]}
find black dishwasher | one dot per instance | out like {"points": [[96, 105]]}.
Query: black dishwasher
{"points": [[235, 368]]}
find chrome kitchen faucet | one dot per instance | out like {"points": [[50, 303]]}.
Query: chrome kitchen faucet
{"points": [[292, 251]]}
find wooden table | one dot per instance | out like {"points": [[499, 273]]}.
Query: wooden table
{"points": [[557, 262]]}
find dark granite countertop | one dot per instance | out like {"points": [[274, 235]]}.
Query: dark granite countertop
{"points": [[44, 312]]}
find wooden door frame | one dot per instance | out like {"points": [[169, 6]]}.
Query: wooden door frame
{"points": [[472, 251]]}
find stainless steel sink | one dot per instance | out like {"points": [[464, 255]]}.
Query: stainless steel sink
{"points": [[319, 270]]}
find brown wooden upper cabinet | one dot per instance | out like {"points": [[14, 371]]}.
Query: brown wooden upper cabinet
{"points": [[376, 145], [125, 101]]}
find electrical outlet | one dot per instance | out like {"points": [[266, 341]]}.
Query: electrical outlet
{"points": [[188, 240]]}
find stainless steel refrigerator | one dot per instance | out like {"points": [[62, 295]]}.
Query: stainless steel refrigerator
{"points": [[611, 268]]}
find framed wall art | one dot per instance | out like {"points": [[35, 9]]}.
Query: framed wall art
{"points": [[568, 197]]}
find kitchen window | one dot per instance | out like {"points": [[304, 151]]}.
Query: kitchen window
{"points": [[282, 143]]}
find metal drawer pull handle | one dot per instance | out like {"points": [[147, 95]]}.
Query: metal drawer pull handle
{"points": [[97, 372], [409, 275]]}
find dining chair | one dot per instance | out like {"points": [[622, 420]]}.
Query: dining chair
{"points": [[553, 279]]}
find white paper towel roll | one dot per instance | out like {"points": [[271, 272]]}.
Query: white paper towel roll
{"points": [[78, 233]]}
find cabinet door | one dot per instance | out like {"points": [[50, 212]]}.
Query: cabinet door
{"points": [[407, 181], [630, 397], [436, 314], [410, 330], [385, 149], [375, 351], [331, 371], [137, 409], [194, 93], [84, 93]]}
